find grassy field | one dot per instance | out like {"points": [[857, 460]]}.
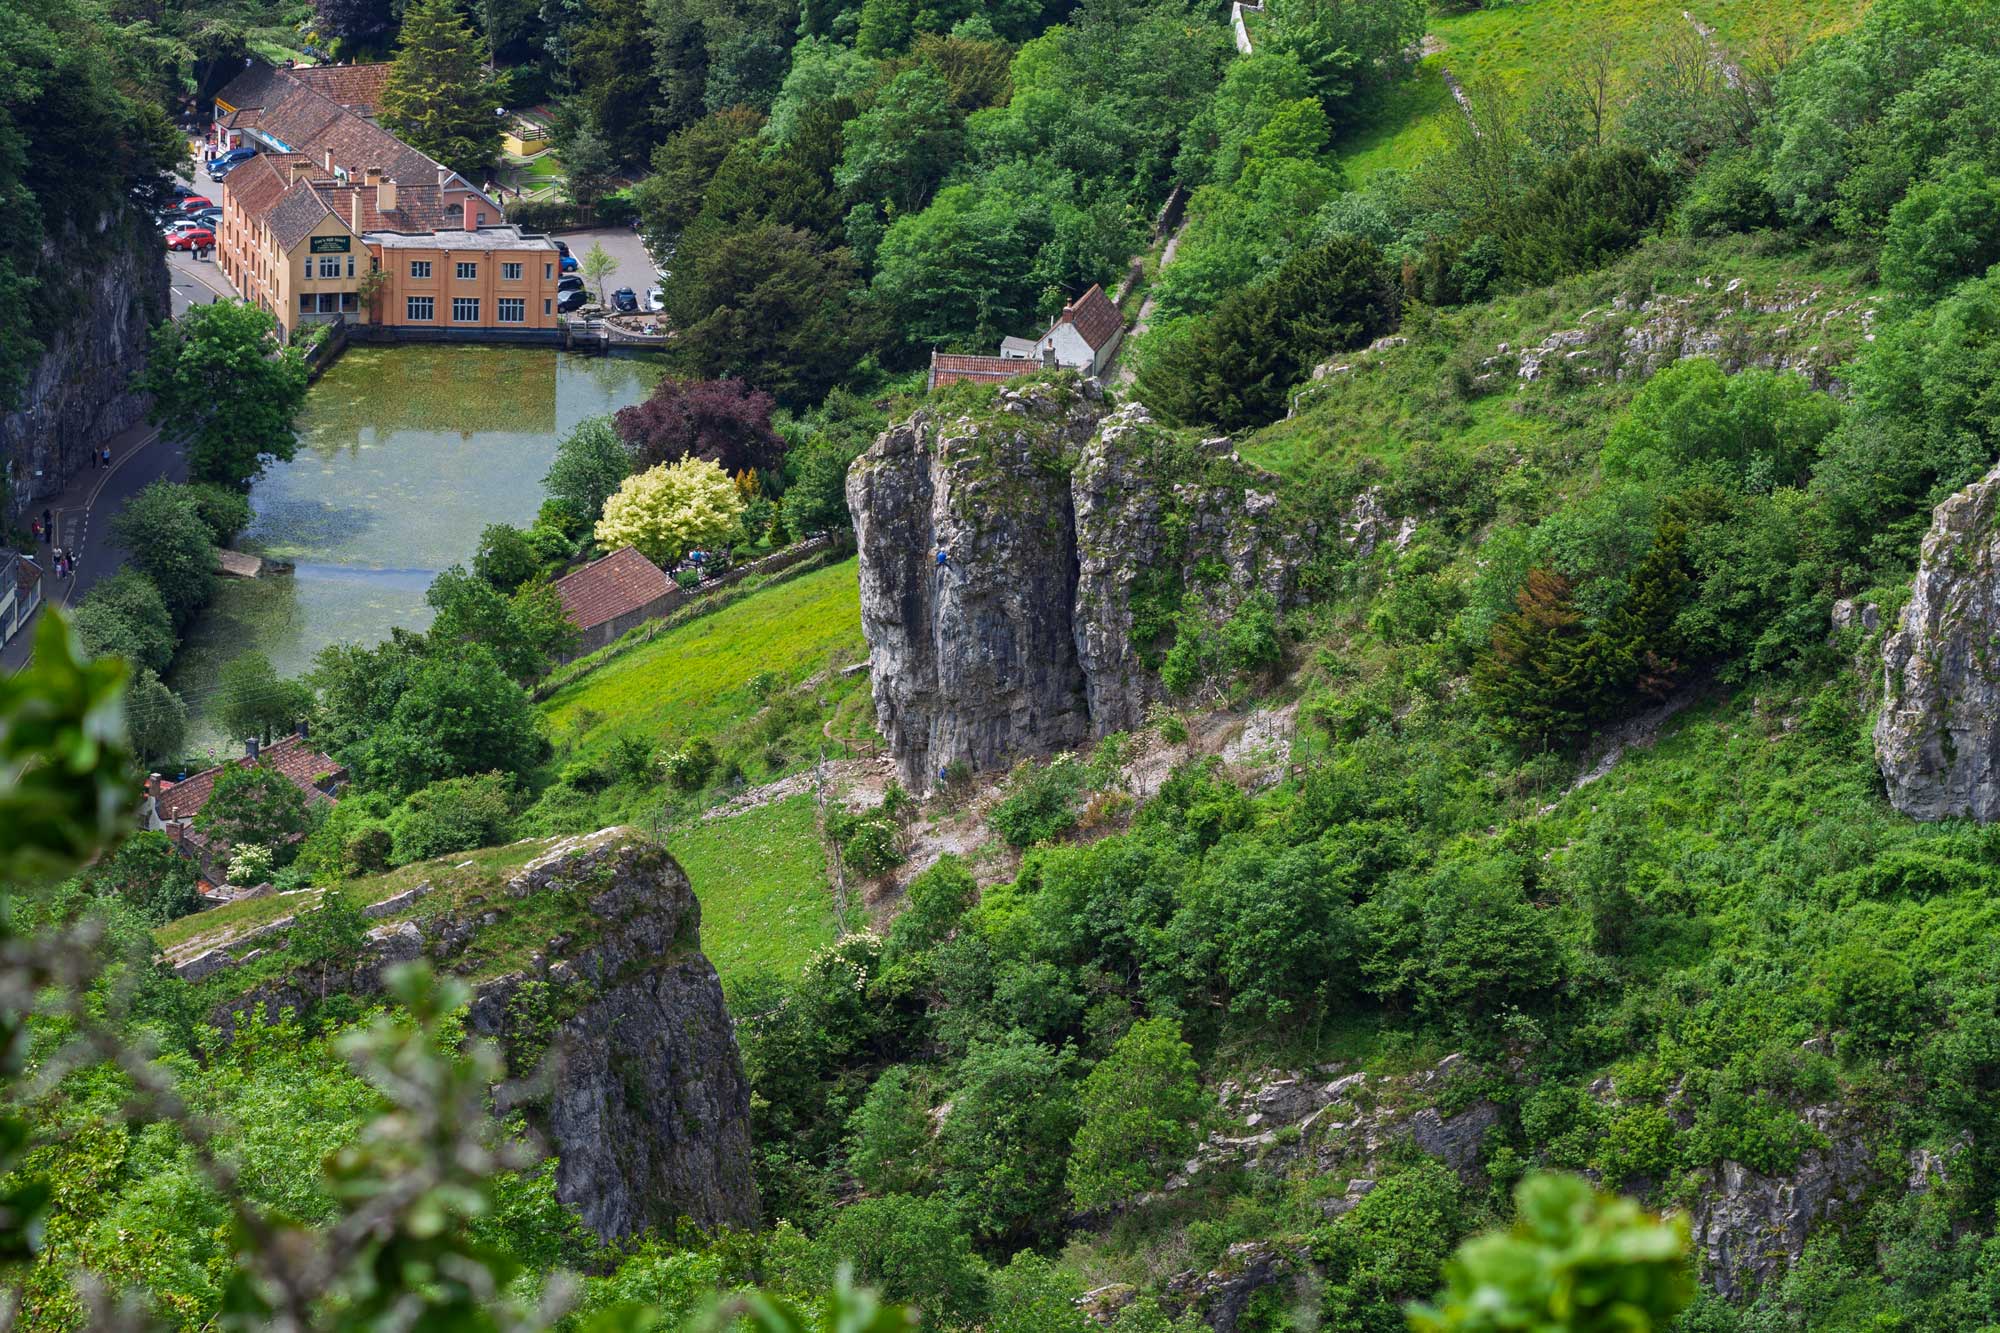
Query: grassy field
{"points": [[761, 879], [1515, 47], [702, 678]]}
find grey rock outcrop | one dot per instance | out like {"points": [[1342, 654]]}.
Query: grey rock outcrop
{"points": [[625, 1055], [1748, 1227], [78, 392], [973, 661], [1057, 521], [1222, 1295], [1937, 737]]}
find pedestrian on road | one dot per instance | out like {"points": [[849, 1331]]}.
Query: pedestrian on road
{"points": [[93, 460], [35, 528], [107, 455]]}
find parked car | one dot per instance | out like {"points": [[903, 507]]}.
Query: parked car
{"points": [[626, 300], [575, 299], [656, 299], [195, 203], [224, 164], [188, 240], [569, 264], [211, 215], [569, 282], [179, 225], [562, 247]]}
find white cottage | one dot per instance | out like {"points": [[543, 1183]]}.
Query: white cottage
{"points": [[1085, 336]]}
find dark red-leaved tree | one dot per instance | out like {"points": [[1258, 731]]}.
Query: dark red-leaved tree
{"points": [[724, 421]]}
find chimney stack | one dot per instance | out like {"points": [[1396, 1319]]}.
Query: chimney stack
{"points": [[372, 175], [1049, 356], [250, 749], [385, 196], [329, 161], [471, 213], [300, 729], [354, 202]]}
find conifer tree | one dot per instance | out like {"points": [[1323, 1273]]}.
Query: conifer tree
{"points": [[438, 98]]}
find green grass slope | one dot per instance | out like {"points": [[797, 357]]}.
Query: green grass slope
{"points": [[1516, 47]]}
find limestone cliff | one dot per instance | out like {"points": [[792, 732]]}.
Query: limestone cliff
{"points": [[624, 1055], [1070, 533], [78, 393], [1937, 738]]}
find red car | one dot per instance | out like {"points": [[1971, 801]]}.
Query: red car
{"points": [[195, 201], [188, 240]]}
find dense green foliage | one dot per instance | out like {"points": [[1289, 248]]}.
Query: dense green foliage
{"points": [[220, 382]]}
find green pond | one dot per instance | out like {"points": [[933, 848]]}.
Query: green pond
{"points": [[405, 454]]}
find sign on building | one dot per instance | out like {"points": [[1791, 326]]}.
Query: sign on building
{"points": [[330, 245]]}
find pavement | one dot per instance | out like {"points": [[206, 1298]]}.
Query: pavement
{"points": [[195, 282], [635, 266], [83, 515]]}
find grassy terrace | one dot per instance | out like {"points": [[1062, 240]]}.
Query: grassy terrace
{"points": [[761, 879], [1515, 46], [697, 679]]}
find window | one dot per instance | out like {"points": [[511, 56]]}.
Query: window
{"points": [[510, 272], [513, 310], [482, 218], [420, 268], [548, 307], [421, 308], [349, 301], [548, 271], [467, 272], [329, 266], [465, 309], [306, 304], [350, 266], [329, 303]]}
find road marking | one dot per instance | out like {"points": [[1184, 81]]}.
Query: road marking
{"points": [[90, 501]]}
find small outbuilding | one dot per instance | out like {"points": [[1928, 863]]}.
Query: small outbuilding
{"points": [[606, 597]]}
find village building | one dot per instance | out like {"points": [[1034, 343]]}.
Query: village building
{"points": [[1084, 338], [332, 197], [171, 807], [607, 597], [20, 591]]}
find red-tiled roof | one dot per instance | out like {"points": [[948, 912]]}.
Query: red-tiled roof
{"points": [[357, 87], [296, 213], [952, 369], [292, 756], [1094, 317], [605, 589]]}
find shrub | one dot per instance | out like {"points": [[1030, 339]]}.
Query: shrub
{"points": [[1041, 801], [689, 767], [1727, 195], [454, 815], [890, 1134], [1138, 1108], [251, 864], [870, 843], [1943, 232], [367, 852], [915, 1252]]}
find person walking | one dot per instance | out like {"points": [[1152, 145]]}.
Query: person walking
{"points": [[107, 456], [93, 459]]}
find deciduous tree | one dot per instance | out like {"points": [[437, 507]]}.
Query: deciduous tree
{"points": [[221, 382], [1139, 1106], [253, 805], [671, 509], [724, 421], [162, 531]]}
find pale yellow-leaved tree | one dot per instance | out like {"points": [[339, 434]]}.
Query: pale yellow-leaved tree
{"points": [[669, 510]]}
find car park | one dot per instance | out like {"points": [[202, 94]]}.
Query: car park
{"points": [[572, 300], [194, 203], [626, 300], [188, 240]]}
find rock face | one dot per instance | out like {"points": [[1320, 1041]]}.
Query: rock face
{"points": [[645, 1103], [1065, 531], [973, 660], [1749, 1227], [648, 1110], [78, 393], [1937, 738]]}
